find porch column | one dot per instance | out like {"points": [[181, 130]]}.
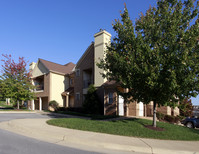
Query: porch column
{"points": [[8, 101], [40, 103], [145, 110], [33, 104], [67, 100]]}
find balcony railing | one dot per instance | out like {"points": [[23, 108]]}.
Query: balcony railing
{"points": [[87, 83], [39, 87]]}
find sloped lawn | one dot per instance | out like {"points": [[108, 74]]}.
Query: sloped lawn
{"points": [[130, 127]]}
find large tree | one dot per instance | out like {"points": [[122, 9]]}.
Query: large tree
{"points": [[157, 58], [15, 80]]}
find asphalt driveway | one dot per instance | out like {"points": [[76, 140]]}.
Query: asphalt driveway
{"points": [[33, 125]]}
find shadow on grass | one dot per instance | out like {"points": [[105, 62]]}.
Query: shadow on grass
{"points": [[70, 114], [143, 123], [6, 108], [125, 120]]}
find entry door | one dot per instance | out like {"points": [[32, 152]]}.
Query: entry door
{"points": [[121, 106], [141, 109]]}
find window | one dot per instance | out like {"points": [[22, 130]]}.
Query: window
{"points": [[110, 98], [77, 96], [71, 81], [77, 72]]}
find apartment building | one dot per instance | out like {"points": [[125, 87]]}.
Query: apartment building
{"points": [[50, 80], [68, 84], [87, 72]]}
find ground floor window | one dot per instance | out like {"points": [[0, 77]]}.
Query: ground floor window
{"points": [[110, 98]]}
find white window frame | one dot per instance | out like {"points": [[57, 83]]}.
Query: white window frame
{"points": [[110, 98]]}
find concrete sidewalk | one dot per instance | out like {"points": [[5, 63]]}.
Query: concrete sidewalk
{"points": [[96, 142]]}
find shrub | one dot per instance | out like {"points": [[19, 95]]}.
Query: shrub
{"points": [[169, 118], [54, 105], [61, 109], [180, 117], [160, 116], [76, 109]]}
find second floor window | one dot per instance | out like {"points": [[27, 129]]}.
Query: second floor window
{"points": [[71, 82], [77, 96], [77, 72]]}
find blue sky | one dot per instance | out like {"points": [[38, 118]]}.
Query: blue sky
{"points": [[59, 30]]}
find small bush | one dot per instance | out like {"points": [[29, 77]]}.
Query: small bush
{"points": [[160, 116], [180, 117], [76, 109], [169, 118], [62, 109], [54, 105]]}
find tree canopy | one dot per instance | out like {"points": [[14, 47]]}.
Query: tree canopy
{"points": [[15, 80], [157, 58]]}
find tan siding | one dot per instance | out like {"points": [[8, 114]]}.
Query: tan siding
{"points": [[39, 70], [57, 88], [132, 109]]}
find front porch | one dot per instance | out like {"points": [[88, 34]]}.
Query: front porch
{"points": [[40, 103]]}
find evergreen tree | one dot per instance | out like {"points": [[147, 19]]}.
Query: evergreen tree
{"points": [[91, 103]]}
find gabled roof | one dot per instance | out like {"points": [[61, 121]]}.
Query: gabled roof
{"points": [[109, 83], [69, 91], [57, 68], [85, 53]]}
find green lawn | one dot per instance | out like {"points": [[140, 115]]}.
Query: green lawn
{"points": [[3, 104], [130, 127], [93, 117]]}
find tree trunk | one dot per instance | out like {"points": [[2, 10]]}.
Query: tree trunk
{"points": [[154, 114], [18, 104]]}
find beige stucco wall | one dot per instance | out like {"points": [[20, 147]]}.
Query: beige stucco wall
{"points": [[56, 87], [39, 70], [101, 40]]}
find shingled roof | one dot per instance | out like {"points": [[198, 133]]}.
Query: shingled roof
{"points": [[57, 68]]}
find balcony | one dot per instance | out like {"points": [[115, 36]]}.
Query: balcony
{"points": [[39, 87], [39, 83]]}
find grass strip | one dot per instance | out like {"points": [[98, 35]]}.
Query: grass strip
{"points": [[130, 127], [93, 117]]}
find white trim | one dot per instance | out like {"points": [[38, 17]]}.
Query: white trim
{"points": [[40, 103], [121, 105]]}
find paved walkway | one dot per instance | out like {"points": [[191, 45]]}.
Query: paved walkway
{"points": [[96, 142]]}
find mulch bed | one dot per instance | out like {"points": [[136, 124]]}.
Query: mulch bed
{"points": [[154, 128]]}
